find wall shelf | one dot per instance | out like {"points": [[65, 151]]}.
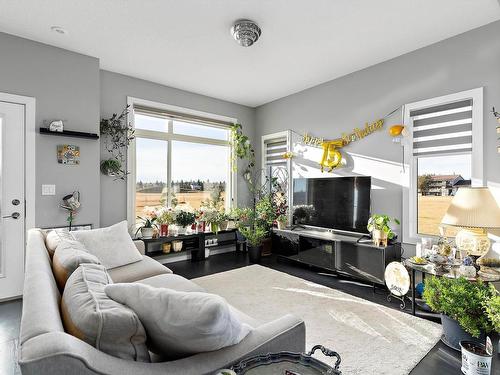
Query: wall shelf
{"points": [[69, 133]]}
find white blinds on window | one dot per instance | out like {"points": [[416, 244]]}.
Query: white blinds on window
{"points": [[274, 149], [443, 129]]}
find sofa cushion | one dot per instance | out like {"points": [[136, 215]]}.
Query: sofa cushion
{"points": [[68, 256], [112, 245], [143, 269], [91, 316], [172, 281], [181, 323], [54, 236]]}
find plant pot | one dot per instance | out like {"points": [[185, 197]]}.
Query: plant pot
{"points": [[176, 246], [163, 230], [281, 224], [254, 253], [453, 333], [223, 225], [214, 228], [267, 247], [181, 230], [166, 247], [379, 237], [147, 233], [475, 359]]}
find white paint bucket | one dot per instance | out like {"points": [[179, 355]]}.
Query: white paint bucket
{"points": [[475, 363]]}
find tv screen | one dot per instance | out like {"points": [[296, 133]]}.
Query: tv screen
{"points": [[341, 203]]}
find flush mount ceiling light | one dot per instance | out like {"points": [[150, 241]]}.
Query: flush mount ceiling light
{"points": [[245, 32], [59, 30]]}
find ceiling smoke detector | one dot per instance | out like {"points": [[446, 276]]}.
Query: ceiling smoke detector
{"points": [[245, 32]]}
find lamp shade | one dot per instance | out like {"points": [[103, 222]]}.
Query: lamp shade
{"points": [[473, 208]]}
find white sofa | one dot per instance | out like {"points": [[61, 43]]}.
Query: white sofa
{"points": [[45, 348]]}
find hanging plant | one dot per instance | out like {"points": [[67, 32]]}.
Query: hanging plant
{"points": [[242, 149], [117, 135]]}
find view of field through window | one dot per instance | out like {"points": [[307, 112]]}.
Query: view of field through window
{"points": [[439, 177], [199, 171]]}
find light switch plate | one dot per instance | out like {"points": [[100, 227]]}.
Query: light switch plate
{"points": [[48, 189]]}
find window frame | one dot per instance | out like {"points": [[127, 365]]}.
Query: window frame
{"points": [[410, 175], [169, 137]]}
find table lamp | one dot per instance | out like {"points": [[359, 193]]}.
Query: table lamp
{"points": [[473, 209]]}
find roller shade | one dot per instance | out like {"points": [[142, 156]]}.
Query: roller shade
{"points": [[180, 116], [442, 129], [274, 150]]}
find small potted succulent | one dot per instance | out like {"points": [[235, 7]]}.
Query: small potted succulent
{"points": [[184, 219], [378, 226]]}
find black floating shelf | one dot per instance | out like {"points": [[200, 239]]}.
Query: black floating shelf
{"points": [[69, 133]]}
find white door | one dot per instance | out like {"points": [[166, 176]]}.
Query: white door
{"points": [[12, 200]]}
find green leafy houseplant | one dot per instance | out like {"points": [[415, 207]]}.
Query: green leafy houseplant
{"points": [[471, 304], [492, 308], [381, 222], [111, 167], [147, 223], [254, 235], [184, 218]]}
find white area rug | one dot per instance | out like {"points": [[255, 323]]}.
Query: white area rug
{"points": [[371, 339]]}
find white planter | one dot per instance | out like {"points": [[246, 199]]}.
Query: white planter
{"points": [[475, 363], [147, 232], [181, 230]]}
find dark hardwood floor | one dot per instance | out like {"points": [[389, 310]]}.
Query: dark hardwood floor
{"points": [[440, 360]]}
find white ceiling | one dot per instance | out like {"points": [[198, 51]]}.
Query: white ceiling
{"points": [[186, 43]]}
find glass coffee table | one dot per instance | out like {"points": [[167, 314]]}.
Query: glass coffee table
{"points": [[288, 363]]}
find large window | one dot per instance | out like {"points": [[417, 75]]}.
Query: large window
{"points": [[444, 151], [178, 161]]}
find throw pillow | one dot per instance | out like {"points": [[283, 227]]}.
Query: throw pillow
{"points": [[113, 245], [68, 256], [91, 316], [179, 324], [54, 236]]}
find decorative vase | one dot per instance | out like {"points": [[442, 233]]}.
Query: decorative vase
{"points": [[379, 237], [201, 226], [214, 228], [163, 230], [147, 233], [166, 247], [254, 253], [453, 333]]}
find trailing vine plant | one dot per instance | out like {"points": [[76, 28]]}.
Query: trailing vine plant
{"points": [[117, 135]]}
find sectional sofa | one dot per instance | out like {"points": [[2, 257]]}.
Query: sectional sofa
{"points": [[45, 347]]}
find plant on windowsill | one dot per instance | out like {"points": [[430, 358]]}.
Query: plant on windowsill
{"points": [[148, 225], [468, 309], [184, 219], [378, 226]]}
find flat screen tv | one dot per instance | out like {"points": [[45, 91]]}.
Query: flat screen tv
{"points": [[341, 203]]}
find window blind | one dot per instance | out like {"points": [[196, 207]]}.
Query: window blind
{"points": [[442, 129], [155, 112], [274, 150]]}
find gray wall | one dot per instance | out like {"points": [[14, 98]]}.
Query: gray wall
{"points": [[66, 86], [463, 62], [114, 91]]}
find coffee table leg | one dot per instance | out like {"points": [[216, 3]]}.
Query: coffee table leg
{"points": [[413, 291]]}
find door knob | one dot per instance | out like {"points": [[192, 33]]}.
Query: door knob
{"points": [[14, 215]]}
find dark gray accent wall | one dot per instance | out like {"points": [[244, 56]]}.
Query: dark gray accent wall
{"points": [[460, 63], [66, 86], [114, 91]]}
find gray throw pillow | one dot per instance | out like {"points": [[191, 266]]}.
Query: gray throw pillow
{"points": [[67, 258], [90, 315], [179, 324], [54, 237]]}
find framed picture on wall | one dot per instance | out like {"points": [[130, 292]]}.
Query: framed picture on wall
{"points": [[68, 154]]}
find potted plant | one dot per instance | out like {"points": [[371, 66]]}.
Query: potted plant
{"points": [[184, 219], [282, 220], [255, 236], [148, 226], [165, 216], [469, 310], [111, 167], [378, 226]]}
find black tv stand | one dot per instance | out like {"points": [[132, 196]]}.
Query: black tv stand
{"points": [[342, 253]]}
